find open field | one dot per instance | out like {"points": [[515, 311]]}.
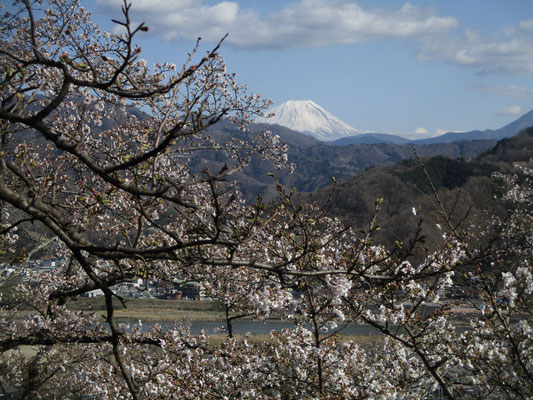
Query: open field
{"points": [[149, 310], [157, 310]]}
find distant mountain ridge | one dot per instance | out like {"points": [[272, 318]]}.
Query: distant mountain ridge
{"points": [[507, 131], [316, 161], [370, 138], [305, 116], [511, 129]]}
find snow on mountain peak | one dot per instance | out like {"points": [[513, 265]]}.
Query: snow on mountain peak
{"points": [[307, 117]]}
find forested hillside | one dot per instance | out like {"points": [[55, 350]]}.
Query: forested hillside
{"points": [[317, 163], [465, 186]]}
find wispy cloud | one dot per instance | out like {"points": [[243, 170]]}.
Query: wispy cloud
{"points": [[513, 110], [300, 23], [439, 132], [509, 52], [527, 25], [307, 23], [423, 133], [514, 91]]}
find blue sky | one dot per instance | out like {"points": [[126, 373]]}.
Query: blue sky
{"points": [[410, 68]]}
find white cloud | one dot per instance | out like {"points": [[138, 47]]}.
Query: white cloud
{"points": [[326, 22], [423, 133], [513, 110], [300, 23], [515, 91], [527, 25], [511, 52], [419, 133]]}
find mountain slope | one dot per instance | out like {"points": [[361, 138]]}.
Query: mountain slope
{"points": [[466, 187], [308, 117], [370, 138], [511, 129], [507, 131], [317, 162]]}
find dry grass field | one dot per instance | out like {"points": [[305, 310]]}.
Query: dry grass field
{"points": [[156, 310]]}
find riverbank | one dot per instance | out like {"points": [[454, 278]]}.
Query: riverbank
{"points": [[151, 310], [156, 310]]}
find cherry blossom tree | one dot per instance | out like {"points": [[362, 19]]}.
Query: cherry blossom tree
{"points": [[95, 158]]}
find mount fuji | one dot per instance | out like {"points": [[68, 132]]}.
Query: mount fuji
{"points": [[307, 117]]}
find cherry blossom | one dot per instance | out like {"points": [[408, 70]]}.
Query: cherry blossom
{"points": [[95, 171]]}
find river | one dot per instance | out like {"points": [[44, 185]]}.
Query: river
{"points": [[257, 327]]}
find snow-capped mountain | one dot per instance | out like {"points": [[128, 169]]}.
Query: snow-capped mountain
{"points": [[307, 117]]}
